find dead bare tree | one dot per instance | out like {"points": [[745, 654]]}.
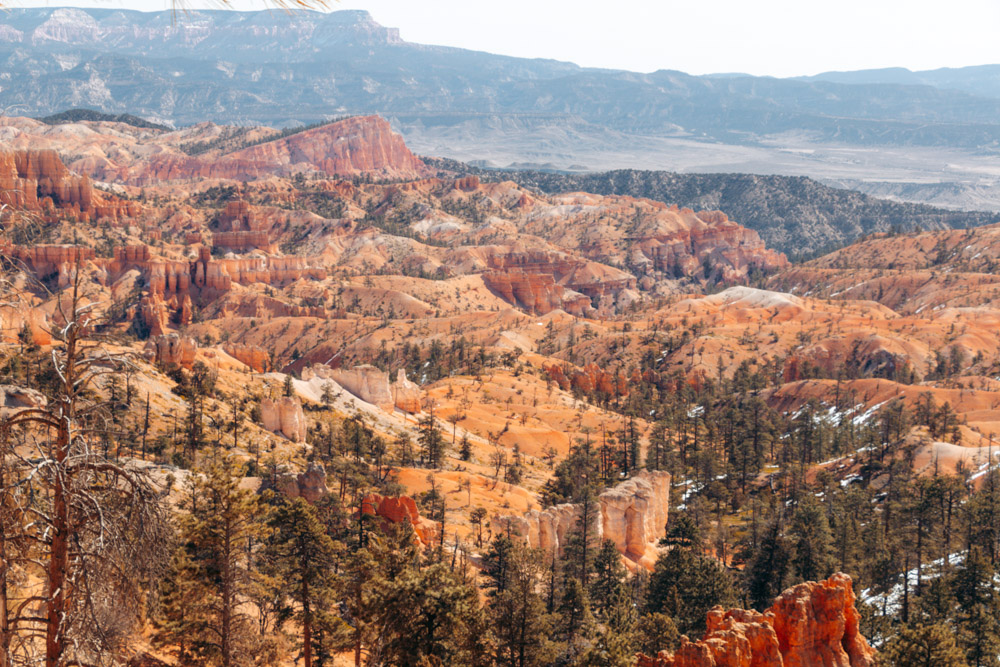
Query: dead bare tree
{"points": [[93, 530]]}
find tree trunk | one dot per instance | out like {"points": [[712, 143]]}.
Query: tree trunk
{"points": [[227, 598], [306, 624], [55, 605]]}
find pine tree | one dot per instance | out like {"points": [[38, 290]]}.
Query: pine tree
{"points": [[685, 584], [979, 629], [812, 544], [182, 612], [923, 646], [614, 645], [305, 559], [768, 570], [609, 575], [221, 520], [432, 442], [515, 610], [574, 617]]}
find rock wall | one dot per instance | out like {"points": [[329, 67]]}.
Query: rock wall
{"points": [[284, 416], [363, 144], [255, 357], [406, 395], [13, 319], [372, 385], [171, 349], [536, 293], [815, 623], [588, 379], [309, 485], [706, 237], [37, 180], [633, 515], [541, 281]]}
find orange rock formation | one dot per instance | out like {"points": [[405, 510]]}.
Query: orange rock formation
{"points": [[815, 623], [37, 180], [400, 509]]}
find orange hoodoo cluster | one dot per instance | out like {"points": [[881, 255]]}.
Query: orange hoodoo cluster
{"points": [[38, 181], [815, 623]]}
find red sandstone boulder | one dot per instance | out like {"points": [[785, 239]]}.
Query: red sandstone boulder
{"points": [[399, 509]]}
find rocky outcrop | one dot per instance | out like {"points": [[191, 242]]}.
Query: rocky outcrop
{"points": [[359, 145], [708, 244], [588, 379], [255, 357], [172, 349], [218, 275], [540, 281], [536, 293], [309, 485], [366, 382], [633, 515], [400, 509], [363, 144], [47, 260], [249, 240], [406, 395], [815, 623], [37, 180], [372, 385], [14, 319], [154, 314], [13, 399], [284, 416]]}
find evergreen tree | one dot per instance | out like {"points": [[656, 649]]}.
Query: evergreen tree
{"points": [[609, 575], [975, 591], [812, 544], [220, 521], [515, 610], [923, 646], [432, 442], [685, 584], [655, 632], [768, 570], [574, 617], [305, 559]]}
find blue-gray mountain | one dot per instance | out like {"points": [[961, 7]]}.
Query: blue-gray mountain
{"points": [[283, 68]]}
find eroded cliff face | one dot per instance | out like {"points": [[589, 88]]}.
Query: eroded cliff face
{"points": [[167, 349], [372, 385], [815, 623], [363, 144], [284, 416], [633, 515], [38, 181]]}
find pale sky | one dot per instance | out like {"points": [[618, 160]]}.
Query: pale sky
{"points": [[773, 37]]}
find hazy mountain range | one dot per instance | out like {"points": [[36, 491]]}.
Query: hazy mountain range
{"points": [[928, 136]]}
